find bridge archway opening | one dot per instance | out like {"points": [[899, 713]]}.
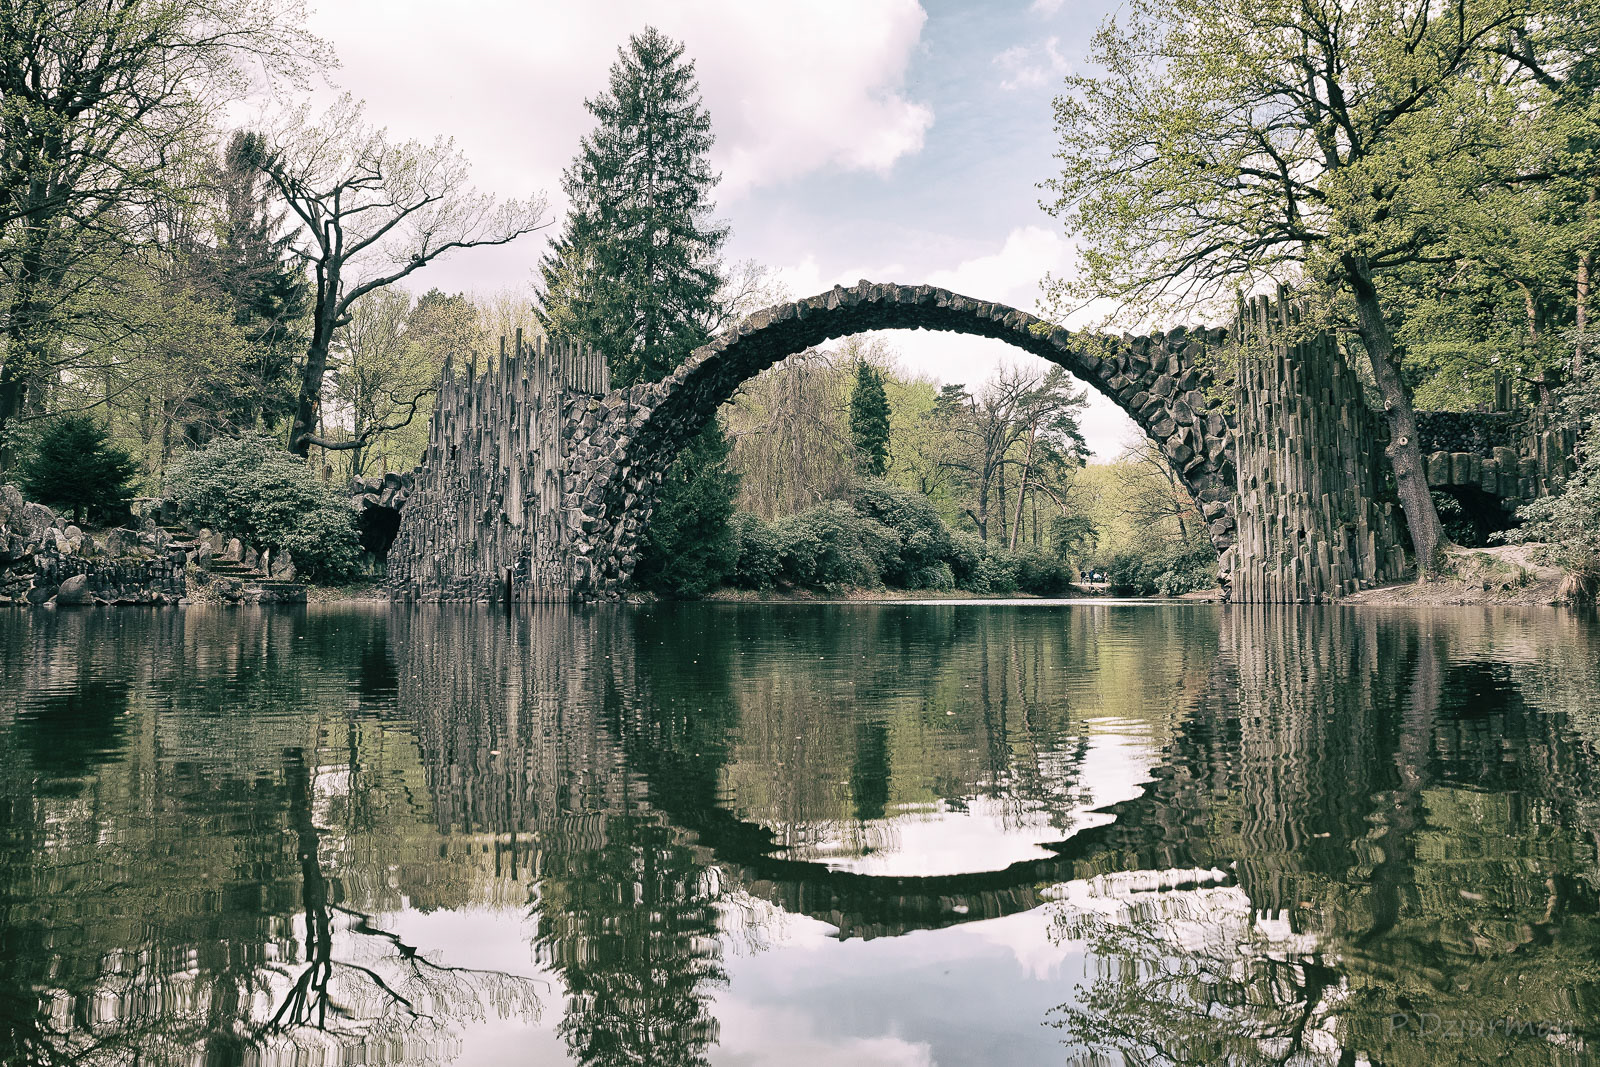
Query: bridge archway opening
{"points": [[1158, 381]]}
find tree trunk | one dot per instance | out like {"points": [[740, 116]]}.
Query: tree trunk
{"points": [[1001, 501], [1022, 490], [13, 392], [1585, 266], [1428, 540], [305, 409]]}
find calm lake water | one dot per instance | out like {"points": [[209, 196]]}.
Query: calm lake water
{"points": [[852, 834]]}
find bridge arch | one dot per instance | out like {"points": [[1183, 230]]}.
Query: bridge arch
{"points": [[626, 439]]}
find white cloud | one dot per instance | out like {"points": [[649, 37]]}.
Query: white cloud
{"points": [[793, 86], [1045, 8], [1032, 66]]}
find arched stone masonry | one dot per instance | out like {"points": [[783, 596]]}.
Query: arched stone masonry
{"points": [[625, 441], [539, 479]]}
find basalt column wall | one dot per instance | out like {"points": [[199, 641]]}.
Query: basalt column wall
{"points": [[485, 518], [1310, 461]]}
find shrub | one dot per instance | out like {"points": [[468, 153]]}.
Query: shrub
{"points": [[1163, 569], [75, 467], [758, 549], [923, 539], [1042, 575], [831, 545], [965, 560], [997, 573], [252, 489]]}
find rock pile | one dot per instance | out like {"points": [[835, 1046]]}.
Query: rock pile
{"points": [[45, 560]]}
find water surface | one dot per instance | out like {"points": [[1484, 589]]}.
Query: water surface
{"points": [[855, 834]]}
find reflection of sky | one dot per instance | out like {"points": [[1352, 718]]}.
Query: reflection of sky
{"points": [[819, 1000], [797, 994], [984, 833], [885, 1002]]}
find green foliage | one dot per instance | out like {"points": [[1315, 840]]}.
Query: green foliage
{"points": [[75, 467], [1163, 568], [869, 421], [263, 286], [1073, 538], [1568, 522], [892, 537], [966, 556], [635, 273], [688, 549], [922, 542], [250, 488], [831, 546], [758, 552]]}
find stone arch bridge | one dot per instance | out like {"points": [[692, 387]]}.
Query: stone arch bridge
{"points": [[539, 479]]}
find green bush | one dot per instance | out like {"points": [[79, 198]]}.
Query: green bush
{"points": [[831, 545], [76, 468], [965, 561], [1159, 569], [758, 561], [250, 488], [924, 548], [996, 573], [1042, 575]]}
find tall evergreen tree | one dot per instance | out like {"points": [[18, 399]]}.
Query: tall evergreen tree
{"points": [[637, 275], [869, 421], [264, 288]]}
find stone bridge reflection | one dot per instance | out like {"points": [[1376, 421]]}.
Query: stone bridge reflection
{"points": [[210, 824]]}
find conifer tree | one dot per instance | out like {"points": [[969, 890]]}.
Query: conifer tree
{"points": [[266, 290], [637, 275], [636, 272], [76, 467], [869, 421]]}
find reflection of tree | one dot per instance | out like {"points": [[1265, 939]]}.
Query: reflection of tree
{"points": [[632, 926], [1407, 828], [355, 996], [631, 920], [1199, 993]]}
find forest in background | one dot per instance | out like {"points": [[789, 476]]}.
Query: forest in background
{"points": [[170, 284]]}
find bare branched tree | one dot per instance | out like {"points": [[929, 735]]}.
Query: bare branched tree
{"points": [[374, 212]]}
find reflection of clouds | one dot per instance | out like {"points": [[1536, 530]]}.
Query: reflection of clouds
{"points": [[773, 1036], [990, 833]]}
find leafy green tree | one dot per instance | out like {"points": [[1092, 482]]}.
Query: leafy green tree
{"points": [[75, 466], [869, 421], [262, 284], [252, 489], [1223, 143], [103, 107], [689, 547], [636, 275]]}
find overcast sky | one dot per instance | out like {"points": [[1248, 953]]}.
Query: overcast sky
{"points": [[879, 139]]}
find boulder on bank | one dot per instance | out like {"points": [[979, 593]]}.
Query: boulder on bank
{"points": [[75, 590]]}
